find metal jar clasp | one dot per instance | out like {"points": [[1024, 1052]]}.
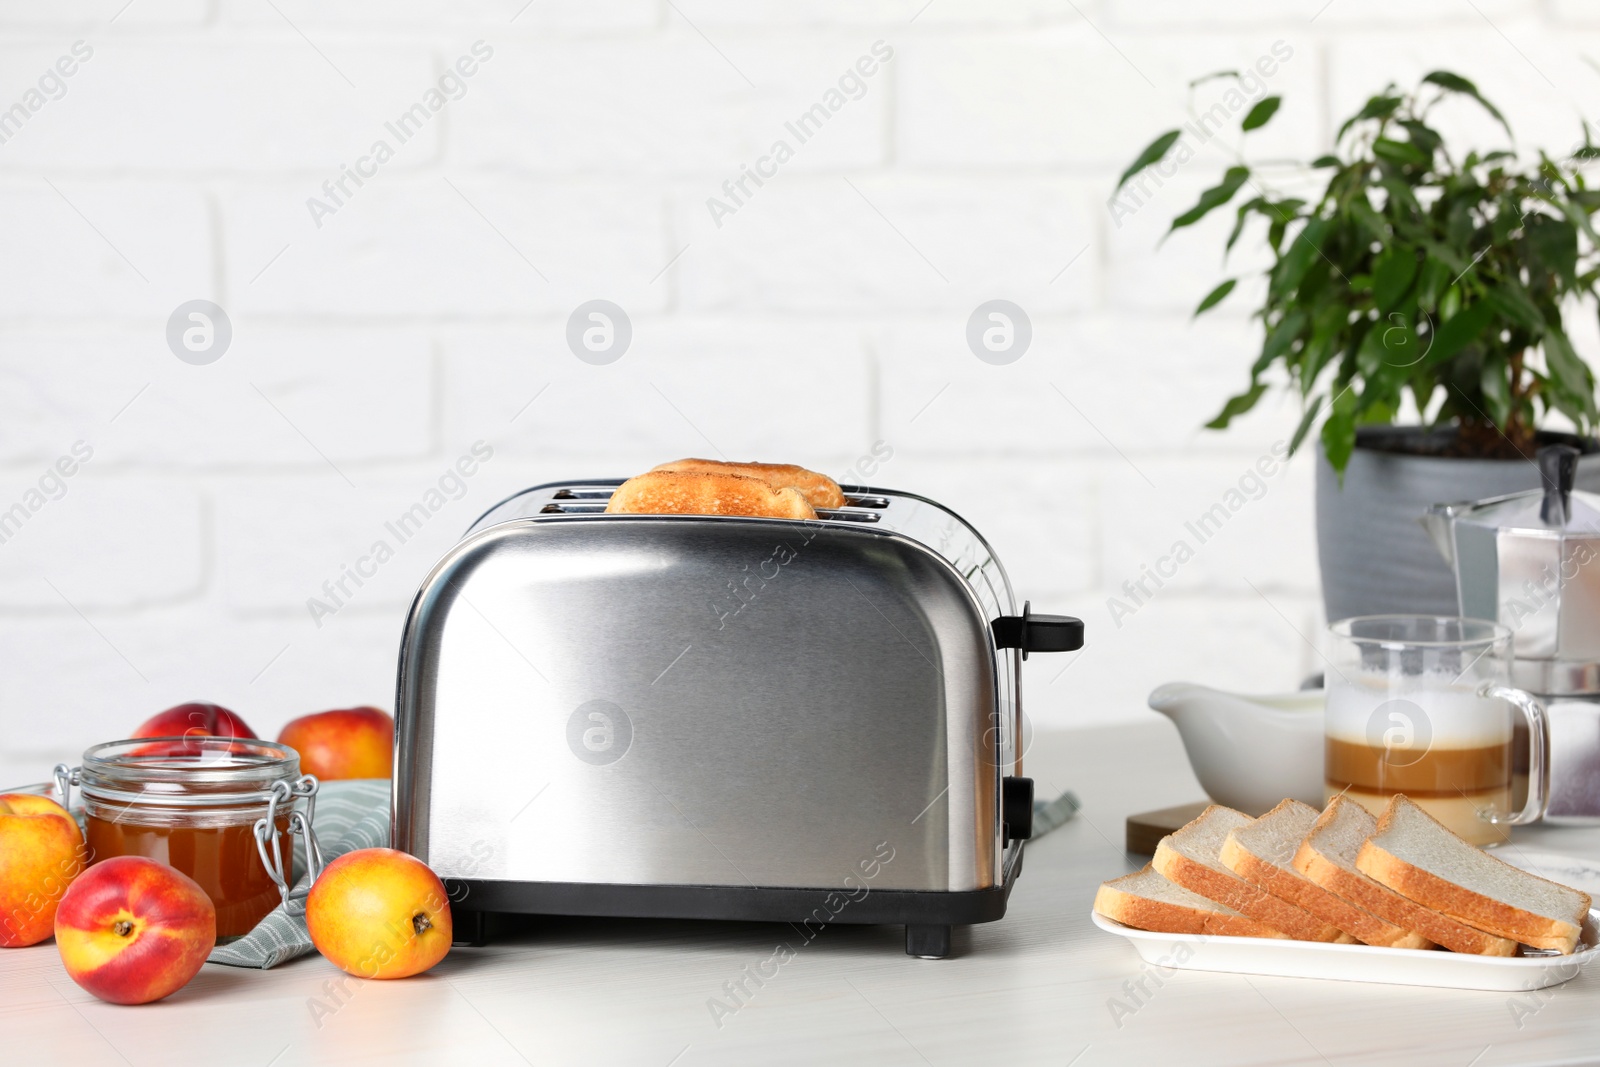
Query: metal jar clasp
{"points": [[66, 777], [299, 823]]}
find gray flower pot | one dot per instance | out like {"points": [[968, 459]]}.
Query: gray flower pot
{"points": [[1375, 556]]}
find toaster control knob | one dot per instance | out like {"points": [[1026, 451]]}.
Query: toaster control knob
{"points": [[1016, 807], [1037, 633]]}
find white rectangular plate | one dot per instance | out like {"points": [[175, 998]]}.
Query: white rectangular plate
{"points": [[1368, 963]]}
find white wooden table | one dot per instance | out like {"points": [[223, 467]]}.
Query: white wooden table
{"points": [[1035, 988]]}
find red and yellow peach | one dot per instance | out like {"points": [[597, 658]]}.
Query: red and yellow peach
{"points": [[131, 930]]}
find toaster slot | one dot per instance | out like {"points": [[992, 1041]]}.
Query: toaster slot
{"points": [[578, 500], [572, 509], [876, 502], [846, 515], [602, 492]]}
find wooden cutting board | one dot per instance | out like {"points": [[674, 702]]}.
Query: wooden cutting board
{"points": [[1146, 829]]}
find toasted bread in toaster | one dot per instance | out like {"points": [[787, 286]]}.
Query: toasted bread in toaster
{"points": [[819, 489], [695, 493]]}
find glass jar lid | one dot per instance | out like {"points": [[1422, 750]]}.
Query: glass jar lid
{"points": [[186, 772]]}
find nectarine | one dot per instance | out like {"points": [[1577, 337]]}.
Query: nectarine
{"points": [[41, 852], [351, 743], [131, 930], [189, 720], [379, 913]]}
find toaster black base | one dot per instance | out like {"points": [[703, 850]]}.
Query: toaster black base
{"points": [[927, 916]]}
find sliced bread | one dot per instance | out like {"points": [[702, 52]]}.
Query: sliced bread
{"points": [[1147, 901], [821, 490], [1263, 853], [1192, 857], [1327, 856], [1414, 854], [690, 493]]}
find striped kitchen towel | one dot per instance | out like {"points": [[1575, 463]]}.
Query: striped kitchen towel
{"points": [[1049, 814], [350, 815]]}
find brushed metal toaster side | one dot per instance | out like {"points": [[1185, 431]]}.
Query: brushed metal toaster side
{"points": [[700, 701]]}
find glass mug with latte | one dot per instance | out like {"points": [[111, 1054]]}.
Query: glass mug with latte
{"points": [[1421, 705]]}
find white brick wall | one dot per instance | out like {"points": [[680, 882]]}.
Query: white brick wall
{"points": [[825, 314]]}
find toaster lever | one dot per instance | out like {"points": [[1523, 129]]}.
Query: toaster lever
{"points": [[1037, 633], [1016, 807]]}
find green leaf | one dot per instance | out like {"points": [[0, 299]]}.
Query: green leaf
{"points": [[1216, 296], [1425, 137], [1403, 153], [1279, 213], [1507, 219], [1432, 279], [1570, 371], [1262, 113], [1578, 216], [1447, 255], [1512, 302], [1568, 405], [1495, 383], [1367, 217], [1400, 194], [1339, 431], [1378, 107], [1423, 387], [1324, 161], [1373, 353], [1153, 153], [1458, 331], [1320, 348], [1237, 406], [1303, 251], [1449, 302], [1554, 243], [1392, 274], [1280, 339], [1397, 341], [1213, 197], [1455, 83], [1238, 223], [1305, 425], [1275, 234], [1375, 408]]}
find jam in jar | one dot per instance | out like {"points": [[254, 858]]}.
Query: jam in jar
{"points": [[219, 809]]}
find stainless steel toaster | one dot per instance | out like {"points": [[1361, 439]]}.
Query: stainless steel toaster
{"points": [[716, 717]]}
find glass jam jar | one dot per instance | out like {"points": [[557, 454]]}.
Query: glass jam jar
{"points": [[219, 809]]}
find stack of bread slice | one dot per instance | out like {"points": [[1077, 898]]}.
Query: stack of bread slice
{"points": [[1403, 880]]}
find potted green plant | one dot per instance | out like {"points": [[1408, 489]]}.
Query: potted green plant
{"points": [[1417, 275]]}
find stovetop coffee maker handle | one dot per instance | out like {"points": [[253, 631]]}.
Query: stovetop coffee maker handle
{"points": [[1558, 467]]}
